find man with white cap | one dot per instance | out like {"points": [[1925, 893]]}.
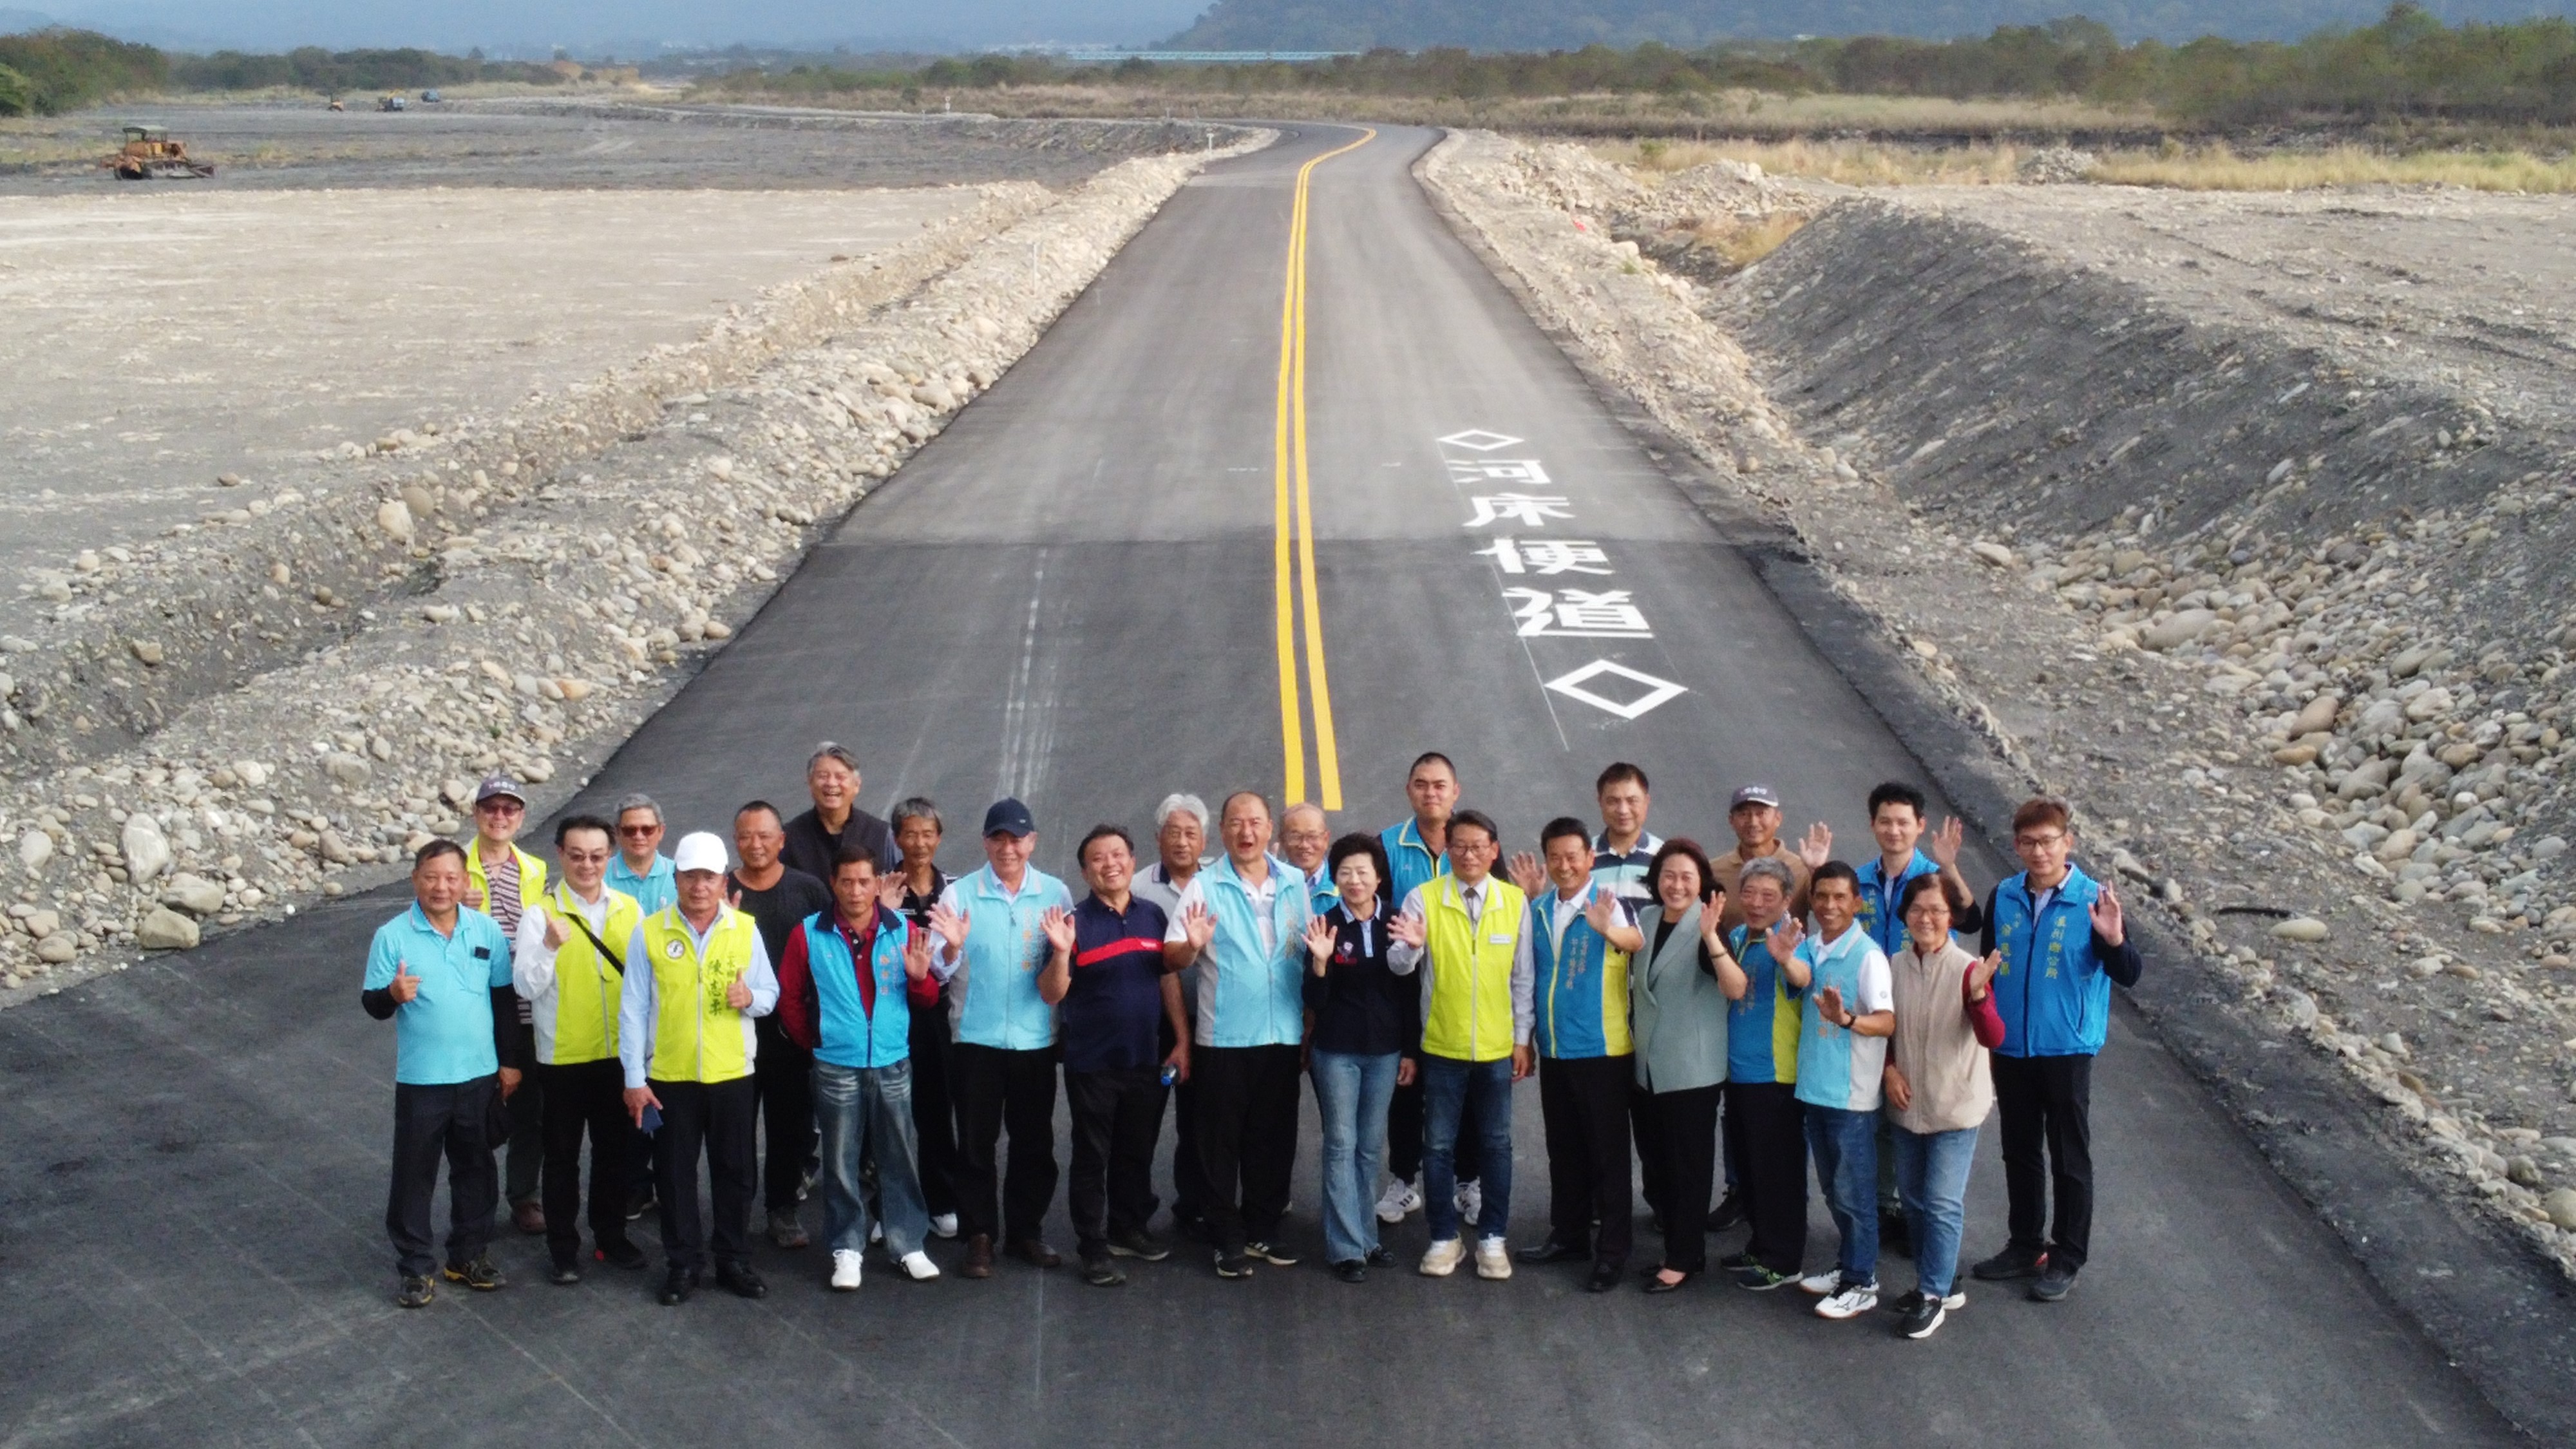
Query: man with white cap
{"points": [[993, 930], [696, 976]]}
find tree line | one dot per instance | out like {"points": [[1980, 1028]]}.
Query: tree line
{"points": [[2408, 65], [47, 72]]}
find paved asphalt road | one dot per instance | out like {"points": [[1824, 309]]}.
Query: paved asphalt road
{"points": [[1071, 595]]}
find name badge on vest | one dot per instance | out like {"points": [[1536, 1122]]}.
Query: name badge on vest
{"points": [[1498, 940], [671, 949]]}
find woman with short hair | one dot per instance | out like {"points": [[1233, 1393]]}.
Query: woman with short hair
{"points": [[1678, 990]]}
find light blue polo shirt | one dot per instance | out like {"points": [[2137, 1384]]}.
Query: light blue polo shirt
{"points": [[443, 1035], [655, 892], [1838, 1068]]}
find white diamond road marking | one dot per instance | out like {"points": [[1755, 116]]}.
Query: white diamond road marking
{"points": [[1478, 440], [1658, 691]]}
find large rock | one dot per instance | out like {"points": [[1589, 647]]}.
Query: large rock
{"points": [[194, 894], [2181, 629], [394, 517], [2561, 1207], [2316, 715], [165, 930], [34, 849], [58, 948], [147, 850], [347, 768]]}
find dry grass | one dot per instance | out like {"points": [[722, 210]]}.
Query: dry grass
{"points": [[1853, 163], [2219, 169], [1742, 243]]}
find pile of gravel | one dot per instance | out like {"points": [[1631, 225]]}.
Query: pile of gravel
{"points": [[271, 703]]}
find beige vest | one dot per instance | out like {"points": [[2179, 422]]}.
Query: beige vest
{"points": [[1934, 1046]]}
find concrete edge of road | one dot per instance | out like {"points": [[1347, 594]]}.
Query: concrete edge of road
{"points": [[2495, 1308]]}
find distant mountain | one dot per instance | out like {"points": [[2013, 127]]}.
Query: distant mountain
{"points": [[14, 21], [1569, 24]]}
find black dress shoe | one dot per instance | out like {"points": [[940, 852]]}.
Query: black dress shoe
{"points": [[1605, 1276], [742, 1280], [1730, 1212], [1554, 1250], [564, 1273], [1036, 1253], [1656, 1284], [677, 1285], [1380, 1257], [1353, 1271], [619, 1253]]}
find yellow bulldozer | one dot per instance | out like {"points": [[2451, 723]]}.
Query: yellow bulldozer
{"points": [[149, 153]]}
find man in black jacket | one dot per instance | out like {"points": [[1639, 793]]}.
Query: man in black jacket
{"points": [[815, 837]]}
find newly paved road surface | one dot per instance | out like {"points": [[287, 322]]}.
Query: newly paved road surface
{"points": [[1073, 595]]}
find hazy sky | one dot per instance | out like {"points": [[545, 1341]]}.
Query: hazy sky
{"points": [[585, 24]]}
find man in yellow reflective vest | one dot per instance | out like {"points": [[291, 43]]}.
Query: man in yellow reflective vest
{"points": [[568, 964], [1465, 927], [696, 976]]}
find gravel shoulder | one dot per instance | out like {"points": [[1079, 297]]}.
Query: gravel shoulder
{"points": [[2278, 605], [285, 699]]}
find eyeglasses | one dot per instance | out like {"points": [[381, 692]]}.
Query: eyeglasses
{"points": [[501, 807], [637, 832], [2039, 842]]}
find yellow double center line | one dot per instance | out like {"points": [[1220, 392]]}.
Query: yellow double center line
{"points": [[1295, 578]]}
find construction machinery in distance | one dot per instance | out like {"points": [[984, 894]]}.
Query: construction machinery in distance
{"points": [[150, 154]]}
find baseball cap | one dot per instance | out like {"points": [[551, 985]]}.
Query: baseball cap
{"points": [[1755, 795], [1009, 817], [499, 785], [699, 850]]}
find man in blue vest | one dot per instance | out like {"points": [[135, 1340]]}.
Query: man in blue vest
{"points": [[1242, 921], [1577, 958], [992, 928], [2064, 941], [440, 972], [844, 995]]}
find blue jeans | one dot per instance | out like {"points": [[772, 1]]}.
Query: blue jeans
{"points": [[1932, 1177], [865, 1114], [1845, 1147], [1351, 1093], [1449, 1086]]}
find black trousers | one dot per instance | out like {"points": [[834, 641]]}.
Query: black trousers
{"points": [[720, 1119], [586, 1097], [1766, 1130], [1404, 1135], [783, 1079], [1117, 1120], [460, 1123], [523, 1169], [1584, 1102], [1247, 1138], [998, 1091], [934, 1109], [1684, 1126], [2046, 1106], [1652, 1176]]}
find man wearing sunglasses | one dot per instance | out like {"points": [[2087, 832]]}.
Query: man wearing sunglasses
{"points": [[499, 878], [640, 869]]}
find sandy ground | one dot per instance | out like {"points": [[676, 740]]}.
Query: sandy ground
{"points": [[150, 342]]}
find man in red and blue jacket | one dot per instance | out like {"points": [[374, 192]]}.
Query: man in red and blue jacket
{"points": [[843, 988], [2064, 941]]}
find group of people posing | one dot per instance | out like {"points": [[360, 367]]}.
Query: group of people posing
{"points": [[887, 1028]]}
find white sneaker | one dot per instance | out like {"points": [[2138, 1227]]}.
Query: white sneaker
{"points": [[1850, 1301], [1493, 1258], [1471, 1203], [1821, 1284], [943, 1225], [1957, 1300], [1400, 1200], [847, 1263], [918, 1264], [1443, 1258]]}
